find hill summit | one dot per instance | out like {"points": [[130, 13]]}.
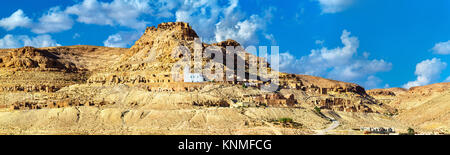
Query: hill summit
{"points": [[153, 56]]}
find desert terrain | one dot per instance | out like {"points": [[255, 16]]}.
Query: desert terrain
{"points": [[91, 90]]}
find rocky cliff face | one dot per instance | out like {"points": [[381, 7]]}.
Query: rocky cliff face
{"points": [[47, 70], [92, 83], [147, 65], [30, 69], [151, 58], [29, 58]]}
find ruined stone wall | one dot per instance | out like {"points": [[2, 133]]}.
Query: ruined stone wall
{"points": [[381, 93], [30, 88], [54, 104], [341, 104], [271, 99]]}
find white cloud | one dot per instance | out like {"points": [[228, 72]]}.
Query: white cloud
{"points": [[427, 71], [340, 63], [214, 20], [12, 41], [442, 48], [165, 7], [320, 42], [357, 69], [17, 19], [366, 54], [204, 15], [334, 6], [225, 21], [288, 62], [54, 21], [243, 31], [271, 37], [447, 79], [9, 41], [122, 39], [373, 82], [118, 12], [76, 36]]}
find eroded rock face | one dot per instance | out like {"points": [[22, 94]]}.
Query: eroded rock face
{"points": [[341, 104], [48, 69], [152, 57], [319, 85], [272, 100], [29, 58], [54, 104], [226, 43], [165, 36], [380, 92], [147, 65], [30, 88], [101, 83], [149, 60]]}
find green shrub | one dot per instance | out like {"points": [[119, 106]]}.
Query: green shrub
{"points": [[285, 120], [244, 86], [317, 109], [411, 131]]}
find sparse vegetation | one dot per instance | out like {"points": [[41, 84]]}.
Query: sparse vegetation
{"points": [[285, 120], [244, 86], [319, 113], [389, 114], [411, 131], [317, 109]]}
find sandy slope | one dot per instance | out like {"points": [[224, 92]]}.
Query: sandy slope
{"points": [[425, 107]]}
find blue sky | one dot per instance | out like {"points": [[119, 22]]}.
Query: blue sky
{"points": [[375, 43]]}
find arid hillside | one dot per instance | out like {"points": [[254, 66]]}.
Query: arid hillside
{"points": [[427, 107], [99, 90]]}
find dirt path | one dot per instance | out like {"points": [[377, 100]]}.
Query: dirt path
{"points": [[334, 124]]}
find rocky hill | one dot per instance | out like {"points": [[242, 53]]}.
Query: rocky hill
{"points": [[148, 64], [29, 58], [425, 106], [152, 57], [99, 90]]}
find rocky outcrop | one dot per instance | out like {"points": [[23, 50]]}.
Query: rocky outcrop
{"points": [[380, 92], [29, 58], [46, 70], [148, 63], [341, 104], [30, 88], [158, 42], [150, 59], [54, 104], [226, 43], [210, 103], [271, 99], [319, 85]]}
